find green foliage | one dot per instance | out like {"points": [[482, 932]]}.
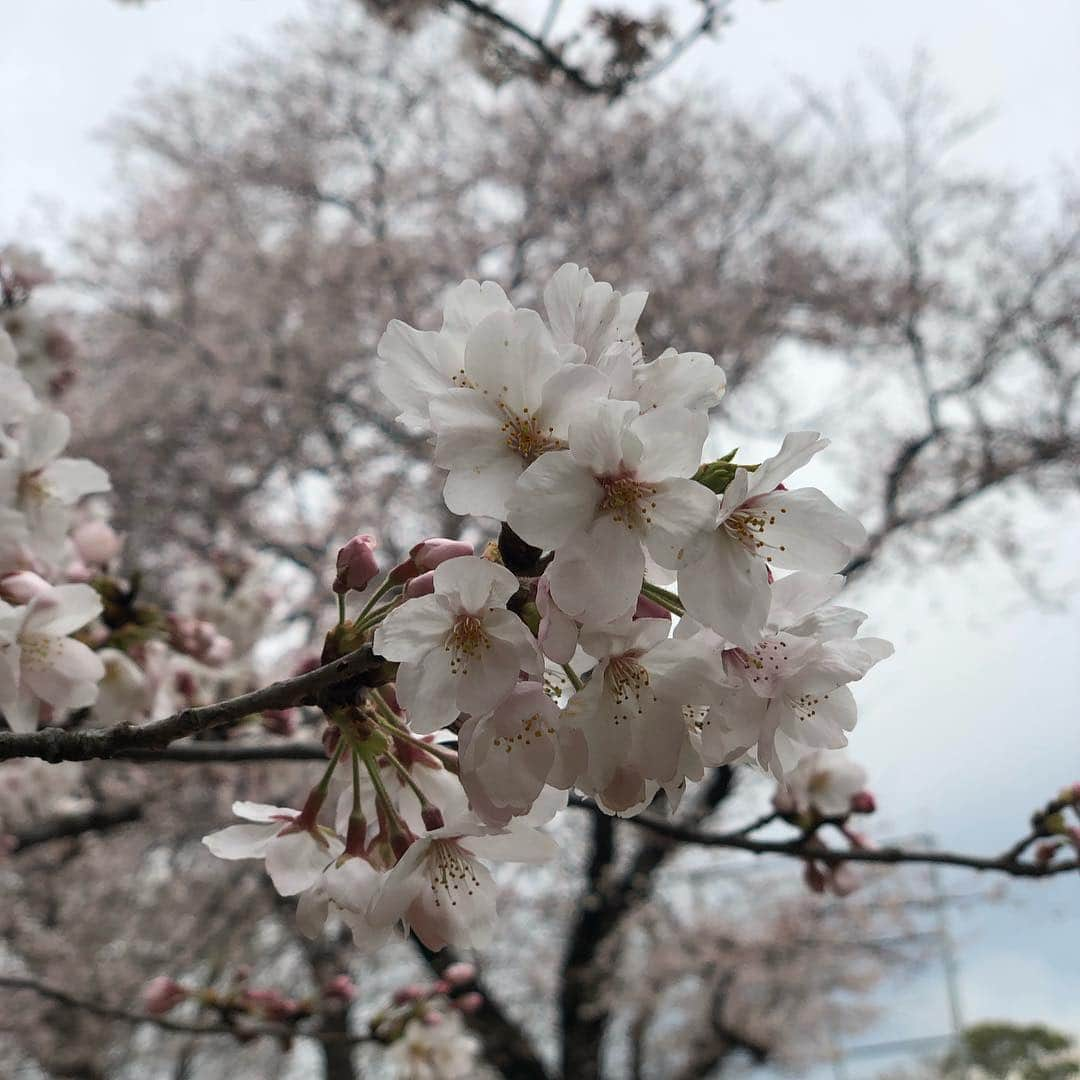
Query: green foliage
{"points": [[1027, 1051]]}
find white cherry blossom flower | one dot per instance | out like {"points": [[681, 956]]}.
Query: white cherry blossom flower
{"points": [[823, 783], [690, 380], [621, 487], [39, 663], [296, 852], [460, 650], [41, 485], [588, 313], [638, 712], [788, 695], [760, 525], [347, 887], [514, 398], [17, 399], [509, 755], [443, 892], [417, 365], [435, 1051]]}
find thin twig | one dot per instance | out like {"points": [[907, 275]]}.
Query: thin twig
{"points": [[799, 849]]}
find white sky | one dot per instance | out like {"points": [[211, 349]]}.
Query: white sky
{"points": [[973, 723]]}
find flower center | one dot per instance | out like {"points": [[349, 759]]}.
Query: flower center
{"points": [[627, 500], [526, 435], [748, 526], [32, 488], [467, 640], [36, 650], [450, 871], [626, 680], [533, 729]]}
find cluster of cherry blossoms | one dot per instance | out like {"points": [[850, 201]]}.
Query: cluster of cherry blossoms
{"points": [[561, 657]]}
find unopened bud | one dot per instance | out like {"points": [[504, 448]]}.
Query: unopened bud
{"points": [[459, 973], [471, 1002], [22, 587], [863, 802], [96, 542], [424, 585], [340, 987], [429, 554], [356, 564], [407, 994], [814, 877], [163, 994], [440, 986], [432, 1018]]}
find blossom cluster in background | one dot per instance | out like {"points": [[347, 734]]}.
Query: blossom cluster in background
{"points": [[641, 616]]}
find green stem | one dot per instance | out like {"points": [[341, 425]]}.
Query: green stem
{"points": [[365, 622], [390, 722], [572, 675], [340, 609], [380, 592], [665, 599], [407, 777], [324, 783]]}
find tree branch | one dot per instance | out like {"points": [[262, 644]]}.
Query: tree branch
{"points": [[800, 849], [70, 825], [56, 744], [128, 1016]]}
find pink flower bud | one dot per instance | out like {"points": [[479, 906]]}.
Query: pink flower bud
{"points": [[460, 973], [842, 880], [22, 587], [650, 609], [407, 994], [424, 585], [433, 1019], [356, 564], [340, 987], [432, 817], [783, 801], [427, 555], [96, 542], [863, 802], [441, 986], [471, 1002], [161, 994]]}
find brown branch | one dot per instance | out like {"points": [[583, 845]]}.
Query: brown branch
{"points": [[56, 744], [129, 1016], [800, 849], [98, 819]]}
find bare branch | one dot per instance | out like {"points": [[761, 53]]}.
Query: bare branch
{"points": [[56, 744]]}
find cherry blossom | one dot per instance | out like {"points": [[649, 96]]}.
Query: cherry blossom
{"points": [[297, 850], [39, 662], [514, 399], [622, 486], [823, 783], [508, 755], [443, 892], [759, 524], [417, 365], [429, 1050], [460, 649], [42, 485]]}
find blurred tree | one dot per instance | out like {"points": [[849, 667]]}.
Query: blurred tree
{"points": [[278, 212], [1024, 1051]]}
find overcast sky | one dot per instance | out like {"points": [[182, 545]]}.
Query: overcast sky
{"points": [[973, 723]]}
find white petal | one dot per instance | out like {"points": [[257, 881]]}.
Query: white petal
{"points": [[311, 911], [401, 886], [554, 499], [692, 380], [263, 812], [414, 629], [672, 439], [427, 692], [65, 609], [468, 304], [241, 841], [682, 517], [511, 356], [570, 391], [483, 490], [796, 450], [44, 436], [295, 862], [414, 367], [69, 479], [728, 590], [518, 844], [478, 583], [597, 577], [600, 440], [468, 429]]}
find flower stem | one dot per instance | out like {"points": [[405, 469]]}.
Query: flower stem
{"points": [[665, 599], [373, 618], [380, 592], [573, 676], [340, 609], [328, 775]]}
